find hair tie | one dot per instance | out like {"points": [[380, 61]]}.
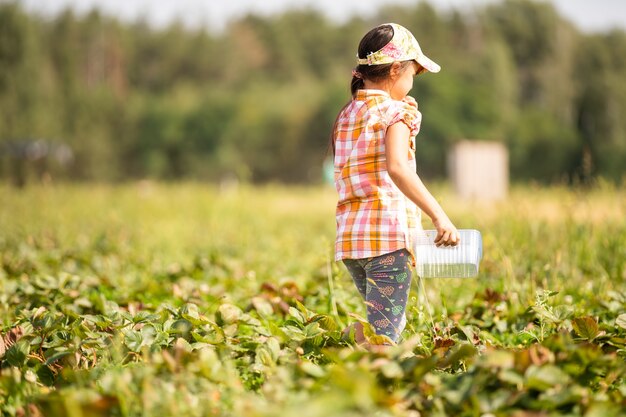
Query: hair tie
{"points": [[357, 74]]}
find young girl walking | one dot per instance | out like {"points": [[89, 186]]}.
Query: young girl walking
{"points": [[380, 194]]}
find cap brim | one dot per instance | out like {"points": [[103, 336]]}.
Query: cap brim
{"points": [[428, 63]]}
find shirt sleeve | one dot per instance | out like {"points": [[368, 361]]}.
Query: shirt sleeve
{"points": [[405, 111]]}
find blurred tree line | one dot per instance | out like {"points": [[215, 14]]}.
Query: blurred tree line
{"points": [[257, 100]]}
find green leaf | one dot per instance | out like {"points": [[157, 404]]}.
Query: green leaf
{"points": [[148, 334], [201, 346], [183, 345], [46, 322], [458, 353], [391, 370], [264, 356], [295, 313], [312, 369], [305, 312], [498, 359], [621, 321], [326, 322], [181, 327], [56, 355], [228, 313], [563, 312], [545, 377], [294, 333], [144, 316], [604, 409], [586, 327], [312, 330], [189, 311], [133, 340], [511, 377], [46, 376], [214, 338], [469, 332], [248, 319], [98, 320], [273, 345], [618, 342], [262, 306], [16, 355], [170, 308], [545, 314]]}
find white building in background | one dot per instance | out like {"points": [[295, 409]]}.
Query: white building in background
{"points": [[479, 170]]}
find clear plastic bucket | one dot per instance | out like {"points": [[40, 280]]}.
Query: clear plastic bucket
{"points": [[461, 261]]}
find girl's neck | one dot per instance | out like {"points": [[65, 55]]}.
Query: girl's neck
{"points": [[371, 85]]}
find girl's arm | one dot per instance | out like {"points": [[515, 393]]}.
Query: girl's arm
{"points": [[397, 148]]}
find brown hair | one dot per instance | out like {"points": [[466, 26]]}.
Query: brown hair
{"points": [[373, 41]]}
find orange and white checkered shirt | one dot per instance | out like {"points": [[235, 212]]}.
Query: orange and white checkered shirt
{"points": [[373, 216]]}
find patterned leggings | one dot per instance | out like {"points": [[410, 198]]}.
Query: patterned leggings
{"points": [[384, 282]]}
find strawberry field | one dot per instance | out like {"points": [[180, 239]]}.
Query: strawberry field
{"points": [[188, 300]]}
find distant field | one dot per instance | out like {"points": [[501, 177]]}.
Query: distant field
{"points": [[155, 299]]}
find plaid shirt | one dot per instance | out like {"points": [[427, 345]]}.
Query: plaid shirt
{"points": [[373, 216]]}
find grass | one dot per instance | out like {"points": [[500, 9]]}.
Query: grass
{"points": [[168, 299]]}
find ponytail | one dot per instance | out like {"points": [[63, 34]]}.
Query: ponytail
{"points": [[374, 40], [356, 84]]}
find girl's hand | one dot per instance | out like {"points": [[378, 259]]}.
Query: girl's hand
{"points": [[447, 235]]}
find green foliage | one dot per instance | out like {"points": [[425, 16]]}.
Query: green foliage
{"points": [[20, 100], [187, 300], [539, 138], [257, 101]]}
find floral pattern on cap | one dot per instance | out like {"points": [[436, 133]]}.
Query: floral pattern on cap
{"points": [[402, 47]]}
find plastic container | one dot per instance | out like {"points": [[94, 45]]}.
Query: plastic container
{"points": [[461, 261]]}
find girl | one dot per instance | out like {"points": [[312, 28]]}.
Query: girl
{"points": [[380, 194]]}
